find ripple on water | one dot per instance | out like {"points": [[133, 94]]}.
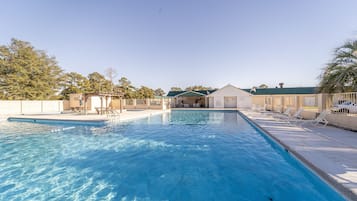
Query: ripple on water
{"points": [[184, 156]]}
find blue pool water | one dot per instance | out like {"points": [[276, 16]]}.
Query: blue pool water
{"points": [[184, 155]]}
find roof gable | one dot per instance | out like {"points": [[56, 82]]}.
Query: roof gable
{"points": [[233, 90], [178, 93]]}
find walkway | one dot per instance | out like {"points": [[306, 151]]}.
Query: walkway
{"points": [[330, 151]]}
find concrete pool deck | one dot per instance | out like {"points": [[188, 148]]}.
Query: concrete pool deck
{"points": [[329, 151], [124, 116]]}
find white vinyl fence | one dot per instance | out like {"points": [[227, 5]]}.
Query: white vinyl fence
{"points": [[153, 104], [343, 103], [31, 107]]}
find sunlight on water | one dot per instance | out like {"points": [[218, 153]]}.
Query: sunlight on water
{"points": [[179, 156]]}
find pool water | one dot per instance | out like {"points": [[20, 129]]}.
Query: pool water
{"points": [[182, 155]]}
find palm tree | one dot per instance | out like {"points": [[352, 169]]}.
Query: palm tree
{"points": [[341, 74]]}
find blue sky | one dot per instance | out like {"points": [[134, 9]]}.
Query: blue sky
{"points": [[164, 43]]}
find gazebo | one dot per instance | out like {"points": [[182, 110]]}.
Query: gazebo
{"points": [[103, 96]]}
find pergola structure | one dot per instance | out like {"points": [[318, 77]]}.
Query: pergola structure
{"points": [[102, 96], [190, 99]]}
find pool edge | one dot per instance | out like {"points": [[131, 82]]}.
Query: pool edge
{"points": [[60, 121]]}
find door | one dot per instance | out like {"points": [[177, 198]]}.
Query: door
{"points": [[230, 101]]}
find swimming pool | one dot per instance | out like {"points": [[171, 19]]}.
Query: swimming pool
{"points": [[182, 155]]}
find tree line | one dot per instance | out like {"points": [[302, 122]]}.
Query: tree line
{"points": [[30, 74]]}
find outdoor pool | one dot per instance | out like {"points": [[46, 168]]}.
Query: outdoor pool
{"points": [[182, 155]]}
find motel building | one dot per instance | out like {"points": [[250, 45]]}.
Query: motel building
{"points": [[230, 96]]}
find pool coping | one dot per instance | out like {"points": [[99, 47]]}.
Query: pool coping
{"points": [[50, 120], [85, 119], [340, 188]]}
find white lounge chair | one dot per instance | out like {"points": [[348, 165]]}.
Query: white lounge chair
{"points": [[321, 118], [286, 114], [261, 109], [290, 118], [297, 115]]}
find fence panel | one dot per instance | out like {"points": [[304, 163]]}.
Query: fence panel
{"points": [[155, 104], [30, 107], [344, 103]]}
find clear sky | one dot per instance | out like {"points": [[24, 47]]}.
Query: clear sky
{"points": [[164, 43]]}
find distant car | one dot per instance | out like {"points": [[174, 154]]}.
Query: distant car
{"points": [[345, 106]]}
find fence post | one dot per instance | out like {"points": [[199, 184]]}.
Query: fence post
{"points": [[134, 103], [300, 101], [296, 103], [121, 104], [321, 102], [162, 103], [124, 104], [148, 103], [282, 100]]}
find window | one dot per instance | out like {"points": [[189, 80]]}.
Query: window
{"points": [[310, 101]]}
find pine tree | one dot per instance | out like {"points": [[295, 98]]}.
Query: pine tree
{"points": [[27, 73]]}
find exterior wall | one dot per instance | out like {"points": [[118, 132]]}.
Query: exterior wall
{"points": [[115, 104], [218, 101], [244, 99], [30, 107], [94, 102], [66, 105], [343, 121], [279, 103], [74, 100], [309, 114], [258, 100]]}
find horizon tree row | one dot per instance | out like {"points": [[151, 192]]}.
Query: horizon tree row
{"points": [[30, 74]]}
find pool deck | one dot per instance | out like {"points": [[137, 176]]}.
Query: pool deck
{"points": [[124, 116], [329, 151]]}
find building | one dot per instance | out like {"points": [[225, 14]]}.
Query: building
{"points": [[92, 102], [189, 99], [226, 97], [278, 99], [229, 96]]}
